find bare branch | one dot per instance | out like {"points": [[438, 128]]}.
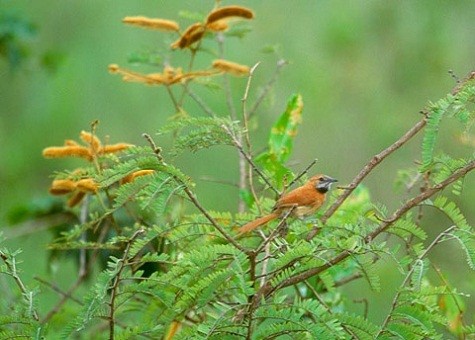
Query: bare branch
{"points": [[249, 159], [280, 64], [366, 170], [304, 171]]}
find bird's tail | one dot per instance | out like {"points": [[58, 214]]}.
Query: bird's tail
{"points": [[257, 223]]}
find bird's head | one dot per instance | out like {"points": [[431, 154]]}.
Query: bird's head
{"points": [[322, 182]]}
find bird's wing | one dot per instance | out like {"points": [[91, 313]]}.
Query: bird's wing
{"points": [[302, 196]]}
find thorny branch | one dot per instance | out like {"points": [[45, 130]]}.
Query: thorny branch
{"points": [[375, 161], [10, 262]]}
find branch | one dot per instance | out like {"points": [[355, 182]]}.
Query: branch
{"points": [[243, 169], [280, 64], [436, 241], [58, 290], [10, 262], [366, 170], [117, 279], [210, 218], [268, 289], [304, 171], [194, 200], [249, 159]]}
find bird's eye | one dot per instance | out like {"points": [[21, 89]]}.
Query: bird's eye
{"points": [[321, 178]]}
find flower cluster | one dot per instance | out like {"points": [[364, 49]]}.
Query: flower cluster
{"points": [[216, 21], [90, 151], [79, 182]]}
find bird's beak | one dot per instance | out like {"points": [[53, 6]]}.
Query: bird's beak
{"points": [[329, 180]]}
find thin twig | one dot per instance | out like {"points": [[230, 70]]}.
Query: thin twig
{"points": [[245, 175], [82, 220], [322, 302], [78, 281], [10, 262], [39, 224], [215, 224], [377, 159], [249, 159], [364, 301], [280, 64], [436, 241], [304, 171], [58, 290], [200, 102], [117, 279], [277, 228]]}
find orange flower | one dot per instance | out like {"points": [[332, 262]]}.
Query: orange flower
{"points": [[169, 76], [228, 12], [62, 187], [191, 35], [231, 67], [67, 151], [87, 185], [94, 148], [130, 177], [217, 26], [159, 24]]}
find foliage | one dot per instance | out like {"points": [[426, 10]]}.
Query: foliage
{"points": [[16, 35], [169, 274]]}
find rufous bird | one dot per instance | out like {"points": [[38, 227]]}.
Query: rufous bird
{"points": [[304, 201]]}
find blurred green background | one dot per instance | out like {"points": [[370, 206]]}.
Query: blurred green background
{"points": [[365, 70]]}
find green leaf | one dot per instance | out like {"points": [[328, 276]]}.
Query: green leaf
{"points": [[281, 139]]}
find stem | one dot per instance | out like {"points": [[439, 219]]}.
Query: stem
{"points": [[243, 168], [115, 284], [376, 160], [249, 159], [436, 241], [10, 262], [194, 200], [280, 64]]}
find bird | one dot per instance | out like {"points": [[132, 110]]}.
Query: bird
{"points": [[304, 201]]}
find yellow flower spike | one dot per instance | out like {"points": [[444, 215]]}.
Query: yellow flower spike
{"points": [[115, 147], [67, 151], [192, 34], [76, 198], [62, 187], [217, 26], [129, 76], [90, 139], [229, 12], [158, 24], [130, 177], [231, 67], [87, 185], [70, 142]]}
